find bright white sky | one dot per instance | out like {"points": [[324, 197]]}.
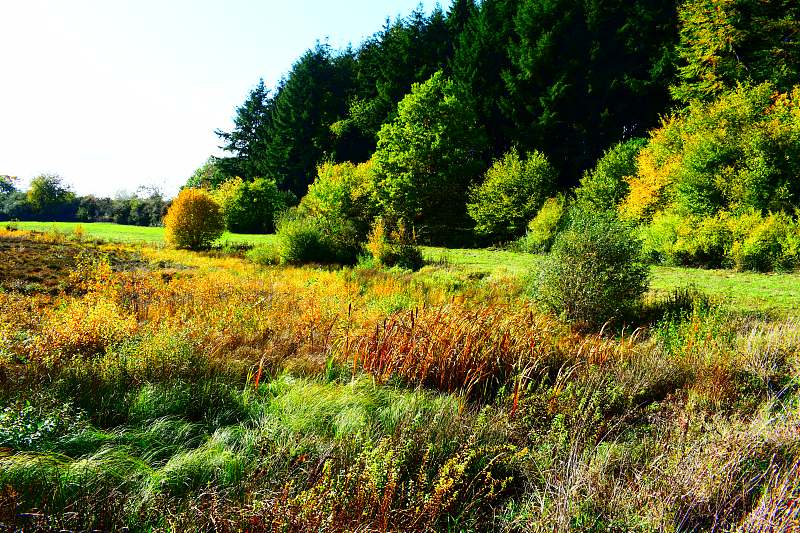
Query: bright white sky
{"points": [[114, 94]]}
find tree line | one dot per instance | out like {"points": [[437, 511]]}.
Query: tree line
{"points": [[431, 102], [50, 198]]}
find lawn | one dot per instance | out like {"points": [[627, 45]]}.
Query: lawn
{"points": [[746, 291], [111, 232]]}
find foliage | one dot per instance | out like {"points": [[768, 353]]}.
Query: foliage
{"points": [[50, 198], [250, 207], [7, 184], [748, 241], [303, 238], [428, 156], [511, 193], [209, 175], [194, 220], [247, 141], [606, 185], [723, 43], [739, 152], [576, 77], [773, 243], [307, 102], [595, 272], [544, 227], [342, 192], [394, 246]]}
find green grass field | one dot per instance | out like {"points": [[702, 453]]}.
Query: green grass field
{"points": [[746, 291], [108, 231]]}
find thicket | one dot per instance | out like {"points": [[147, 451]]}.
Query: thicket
{"points": [[717, 184], [511, 192], [251, 207], [50, 198]]}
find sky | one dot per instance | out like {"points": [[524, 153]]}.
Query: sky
{"points": [[116, 94]]}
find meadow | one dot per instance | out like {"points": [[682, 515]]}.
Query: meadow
{"points": [[163, 390], [775, 293]]}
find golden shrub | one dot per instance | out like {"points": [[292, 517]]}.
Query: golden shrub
{"points": [[87, 326], [194, 220]]}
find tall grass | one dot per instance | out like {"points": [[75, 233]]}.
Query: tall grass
{"points": [[206, 393]]}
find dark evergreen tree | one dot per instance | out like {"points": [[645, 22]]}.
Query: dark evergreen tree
{"points": [[309, 100], [248, 140], [479, 60], [723, 43], [586, 74]]}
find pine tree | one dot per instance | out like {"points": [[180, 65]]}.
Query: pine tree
{"points": [[723, 42], [250, 136]]}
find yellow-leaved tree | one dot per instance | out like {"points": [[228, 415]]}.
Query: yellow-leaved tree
{"points": [[194, 220]]}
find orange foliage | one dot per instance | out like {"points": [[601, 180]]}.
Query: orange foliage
{"points": [[194, 220]]}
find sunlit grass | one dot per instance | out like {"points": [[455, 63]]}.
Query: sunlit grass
{"points": [[108, 231]]}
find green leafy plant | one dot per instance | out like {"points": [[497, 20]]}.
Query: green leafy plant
{"points": [[511, 193], [595, 271], [544, 227]]}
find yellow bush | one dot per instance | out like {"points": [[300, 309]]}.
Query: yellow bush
{"points": [[193, 221]]}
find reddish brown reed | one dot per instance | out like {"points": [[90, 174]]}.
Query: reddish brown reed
{"points": [[454, 347]]}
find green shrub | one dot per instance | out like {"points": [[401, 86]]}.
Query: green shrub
{"points": [[512, 192], [394, 247], [545, 225], [769, 245], [595, 271], [605, 186], [342, 191], [307, 239], [301, 240], [748, 241], [251, 207], [737, 153], [265, 254]]}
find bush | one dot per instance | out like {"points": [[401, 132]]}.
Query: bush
{"points": [[748, 241], [595, 271], [511, 193], [605, 186], [342, 191], [307, 239], [737, 153], [251, 207], [395, 247], [194, 220], [770, 245], [265, 254], [544, 227]]}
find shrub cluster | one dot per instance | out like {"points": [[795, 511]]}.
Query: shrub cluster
{"points": [[303, 238], [251, 207], [544, 227], [739, 152], [394, 246], [511, 193], [748, 241]]}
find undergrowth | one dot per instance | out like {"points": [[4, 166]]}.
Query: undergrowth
{"points": [[207, 393]]}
